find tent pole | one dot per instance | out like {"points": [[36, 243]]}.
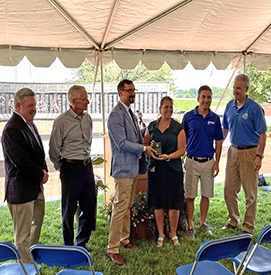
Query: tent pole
{"points": [[102, 91], [235, 68], [244, 68]]}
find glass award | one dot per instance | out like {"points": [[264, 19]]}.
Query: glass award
{"points": [[157, 146]]}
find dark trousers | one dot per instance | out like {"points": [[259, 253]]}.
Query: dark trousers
{"points": [[78, 186]]}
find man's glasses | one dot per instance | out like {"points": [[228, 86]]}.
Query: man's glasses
{"points": [[130, 91]]}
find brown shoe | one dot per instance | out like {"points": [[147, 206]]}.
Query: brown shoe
{"points": [[228, 226], [130, 246], [115, 258]]}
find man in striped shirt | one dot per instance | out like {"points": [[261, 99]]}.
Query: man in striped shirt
{"points": [[69, 151]]}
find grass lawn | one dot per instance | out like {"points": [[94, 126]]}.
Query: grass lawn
{"points": [[148, 259], [185, 104]]}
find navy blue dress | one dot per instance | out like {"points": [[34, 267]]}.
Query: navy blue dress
{"points": [[165, 178]]}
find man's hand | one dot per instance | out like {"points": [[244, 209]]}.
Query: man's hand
{"points": [[150, 151], [45, 176], [215, 169], [257, 164]]}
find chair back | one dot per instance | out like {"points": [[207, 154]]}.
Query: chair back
{"points": [[215, 250], [265, 235], [257, 249], [8, 251], [64, 256]]}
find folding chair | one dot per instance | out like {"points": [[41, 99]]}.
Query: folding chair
{"points": [[8, 251], [259, 257], [64, 256], [210, 252]]}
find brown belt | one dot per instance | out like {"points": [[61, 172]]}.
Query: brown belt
{"points": [[77, 161], [244, 147]]}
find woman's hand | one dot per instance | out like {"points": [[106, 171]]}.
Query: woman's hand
{"points": [[163, 157]]}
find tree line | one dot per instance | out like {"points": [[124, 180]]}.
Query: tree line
{"points": [[260, 81]]}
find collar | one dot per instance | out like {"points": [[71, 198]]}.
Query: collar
{"points": [[196, 113], [73, 114], [234, 102], [20, 116], [125, 106]]}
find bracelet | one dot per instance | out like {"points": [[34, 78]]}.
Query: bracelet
{"points": [[168, 158], [260, 156]]}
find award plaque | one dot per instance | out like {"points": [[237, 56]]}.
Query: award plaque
{"points": [[157, 146]]}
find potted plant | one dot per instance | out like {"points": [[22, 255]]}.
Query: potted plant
{"points": [[142, 218]]}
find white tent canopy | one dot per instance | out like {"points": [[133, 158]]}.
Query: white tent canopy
{"points": [[128, 31]]}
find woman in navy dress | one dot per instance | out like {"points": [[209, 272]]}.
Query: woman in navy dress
{"points": [[165, 173]]}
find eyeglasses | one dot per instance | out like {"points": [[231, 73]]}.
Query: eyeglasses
{"points": [[130, 91], [84, 99]]}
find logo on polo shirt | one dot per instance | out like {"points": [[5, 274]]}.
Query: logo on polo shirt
{"points": [[210, 122], [245, 116]]}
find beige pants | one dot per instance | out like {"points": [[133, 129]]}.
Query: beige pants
{"points": [[239, 171], [119, 231], [27, 221]]}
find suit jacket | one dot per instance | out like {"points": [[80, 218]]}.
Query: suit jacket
{"points": [[127, 152], [24, 162]]}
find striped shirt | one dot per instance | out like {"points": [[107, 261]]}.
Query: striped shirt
{"points": [[71, 137]]}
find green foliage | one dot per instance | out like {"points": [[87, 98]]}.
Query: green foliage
{"points": [[192, 93], [260, 84], [186, 104], [148, 259], [97, 160], [113, 73]]}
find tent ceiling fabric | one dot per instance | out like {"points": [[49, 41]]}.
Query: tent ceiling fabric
{"points": [[154, 31]]}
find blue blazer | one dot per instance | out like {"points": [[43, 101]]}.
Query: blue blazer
{"points": [[24, 162], [127, 152]]}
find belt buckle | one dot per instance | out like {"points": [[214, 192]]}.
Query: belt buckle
{"points": [[86, 162]]}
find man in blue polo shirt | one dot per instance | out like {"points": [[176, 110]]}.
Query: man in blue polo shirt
{"points": [[245, 120], [202, 127]]}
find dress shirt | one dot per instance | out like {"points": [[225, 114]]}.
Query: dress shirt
{"points": [[71, 137]]}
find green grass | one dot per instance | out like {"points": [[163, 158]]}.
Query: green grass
{"points": [[185, 105], [148, 259]]}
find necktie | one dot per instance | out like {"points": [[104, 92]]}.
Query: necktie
{"points": [[33, 129], [133, 117]]}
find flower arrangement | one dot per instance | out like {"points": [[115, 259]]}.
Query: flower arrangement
{"points": [[140, 212]]}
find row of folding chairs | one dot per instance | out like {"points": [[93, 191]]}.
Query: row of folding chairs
{"points": [[51, 255], [240, 249]]}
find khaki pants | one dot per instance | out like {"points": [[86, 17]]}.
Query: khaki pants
{"points": [[27, 221], [239, 171], [119, 231]]}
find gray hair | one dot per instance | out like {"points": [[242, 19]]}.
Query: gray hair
{"points": [[21, 94], [244, 78], [73, 92]]}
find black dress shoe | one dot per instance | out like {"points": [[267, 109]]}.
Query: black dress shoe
{"points": [[115, 258], [228, 226]]}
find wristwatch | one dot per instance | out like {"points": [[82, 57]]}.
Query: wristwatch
{"points": [[260, 156]]}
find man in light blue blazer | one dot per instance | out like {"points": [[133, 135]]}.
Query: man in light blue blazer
{"points": [[127, 161]]}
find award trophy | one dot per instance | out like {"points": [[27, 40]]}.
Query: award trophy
{"points": [[157, 146]]}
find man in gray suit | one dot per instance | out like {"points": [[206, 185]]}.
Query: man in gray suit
{"points": [[128, 160]]}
